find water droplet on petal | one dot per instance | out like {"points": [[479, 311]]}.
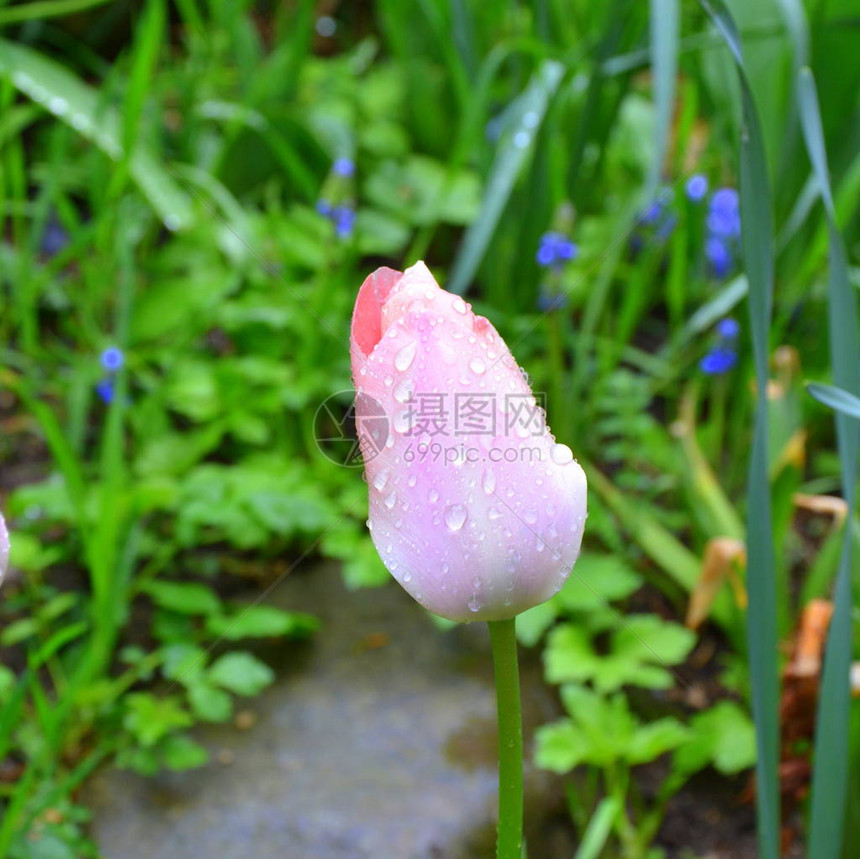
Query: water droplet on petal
{"points": [[561, 454], [381, 479], [412, 480], [404, 358], [493, 513], [459, 305], [433, 496], [391, 500], [476, 365], [389, 381], [407, 577], [530, 516], [403, 392], [488, 481], [455, 516], [474, 603]]}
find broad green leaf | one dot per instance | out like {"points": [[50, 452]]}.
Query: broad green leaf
{"points": [[560, 746], [722, 736], [260, 621], [209, 703], [655, 739], [241, 673], [183, 597], [180, 752], [597, 580], [150, 718]]}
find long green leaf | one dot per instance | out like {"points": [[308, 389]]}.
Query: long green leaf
{"points": [[68, 98], [665, 25], [757, 244], [830, 768], [512, 153], [836, 398]]}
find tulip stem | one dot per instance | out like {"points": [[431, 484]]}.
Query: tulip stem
{"points": [[503, 638]]}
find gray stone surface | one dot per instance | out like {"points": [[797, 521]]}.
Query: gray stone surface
{"points": [[377, 740]]}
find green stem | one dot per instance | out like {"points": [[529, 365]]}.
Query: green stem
{"points": [[510, 832]]}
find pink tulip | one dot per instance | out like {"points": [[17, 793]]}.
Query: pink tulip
{"points": [[4, 548], [475, 509]]}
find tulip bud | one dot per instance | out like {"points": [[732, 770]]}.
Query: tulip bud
{"points": [[474, 508], [4, 549]]}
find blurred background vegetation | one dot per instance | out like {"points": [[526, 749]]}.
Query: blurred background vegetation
{"points": [[192, 193]]}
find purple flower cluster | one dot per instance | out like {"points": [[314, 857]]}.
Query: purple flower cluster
{"points": [[555, 250], [724, 355], [723, 230], [335, 204], [343, 217], [112, 360]]}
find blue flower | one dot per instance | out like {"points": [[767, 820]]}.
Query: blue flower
{"points": [[105, 390], [718, 361], [719, 256], [344, 167], [54, 238], [555, 249], [652, 214], [697, 187], [344, 220], [724, 215], [324, 207], [728, 328], [112, 359]]}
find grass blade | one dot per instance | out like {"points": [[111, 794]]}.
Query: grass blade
{"points": [[836, 398], [511, 155], [60, 92], [757, 244], [665, 23], [830, 766]]}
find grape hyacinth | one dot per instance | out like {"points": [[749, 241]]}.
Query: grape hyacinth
{"points": [[696, 188], [112, 360], [724, 354], [555, 250], [335, 203], [723, 230]]}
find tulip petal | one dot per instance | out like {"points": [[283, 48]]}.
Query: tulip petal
{"points": [[474, 508]]}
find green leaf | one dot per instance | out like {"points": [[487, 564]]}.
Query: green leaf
{"points": [[209, 703], [149, 719], [569, 655], [183, 662], [762, 631], [836, 398], [509, 161], [61, 93], [833, 722], [598, 830], [597, 580], [179, 752], [260, 621], [533, 623], [723, 736], [655, 739], [183, 597], [665, 24], [241, 673], [560, 746]]}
